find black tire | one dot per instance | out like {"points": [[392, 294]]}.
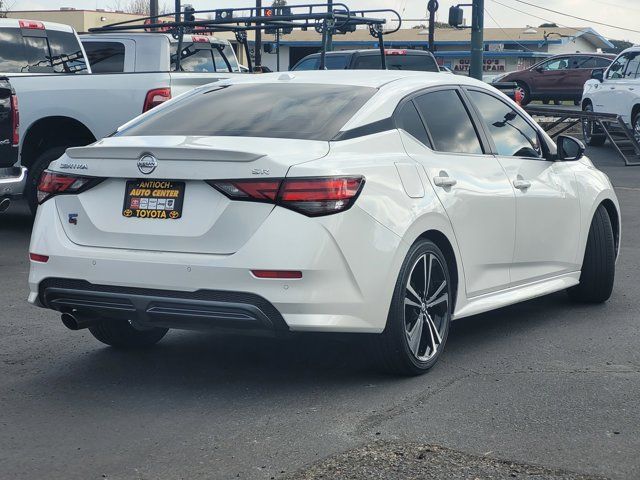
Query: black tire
{"points": [[526, 93], [599, 264], [35, 171], [392, 346], [545, 101], [590, 133], [635, 126], [576, 102], [557, 102], [121, 334]]}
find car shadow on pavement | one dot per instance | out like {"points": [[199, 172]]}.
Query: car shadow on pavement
{"points": [[208, 360]]}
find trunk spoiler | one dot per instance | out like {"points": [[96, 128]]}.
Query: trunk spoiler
{"points": [[163, 153]]}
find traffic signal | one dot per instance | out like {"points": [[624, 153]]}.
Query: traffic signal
{"points": [[456, 16], [189, 14]]}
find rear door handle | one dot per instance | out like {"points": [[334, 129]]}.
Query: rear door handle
{"points": [[444, 182], [521, 184]]}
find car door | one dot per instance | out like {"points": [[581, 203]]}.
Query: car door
{"points": [[547, 202], [609, 96], [580, 67], [550, 75], [470, 184]]}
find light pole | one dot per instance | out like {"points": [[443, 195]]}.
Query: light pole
{"points": [[477, 39], [329, 33], [257, 55]]}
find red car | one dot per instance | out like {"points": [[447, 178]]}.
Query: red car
{"points": [[557, 78]]}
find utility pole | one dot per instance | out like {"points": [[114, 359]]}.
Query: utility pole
{"points": [[477, 39], [329, 33], [178, 7], [153, 10], [432, 6], [257, 55]]}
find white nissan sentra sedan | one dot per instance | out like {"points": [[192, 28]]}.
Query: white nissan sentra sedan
{"points": [[372, 202]]}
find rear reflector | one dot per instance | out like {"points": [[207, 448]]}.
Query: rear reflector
{"points": [[312, 196], [280, 274], [155, 97], [31, 24], [52, 183], [36, 257], [199, 39]]}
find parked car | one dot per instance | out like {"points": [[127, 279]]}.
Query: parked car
{"points": [[157, 52], [557, 78], [376, 202], [12, 179], [616, 90], [63, 103], [397, 59]]}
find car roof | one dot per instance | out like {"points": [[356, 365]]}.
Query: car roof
{"points": [[369, 51], [142, 35], [15, 23], [635, 48]]}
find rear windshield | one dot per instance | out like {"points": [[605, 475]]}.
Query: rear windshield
{"points": [[204, 57], [40, 51], [331, 62], [299, 111], [422, 63]]}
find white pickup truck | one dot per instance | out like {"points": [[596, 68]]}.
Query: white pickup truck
{"points": [[617, 90], [63, 101]]}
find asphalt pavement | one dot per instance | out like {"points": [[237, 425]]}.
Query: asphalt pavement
{"points": [[544, 389]]}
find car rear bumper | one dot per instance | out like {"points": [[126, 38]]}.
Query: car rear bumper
{"points": [[349, 264], [198, 310], [12, 181]]}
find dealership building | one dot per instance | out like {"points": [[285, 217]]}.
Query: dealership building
{"points": [[506, 49]]}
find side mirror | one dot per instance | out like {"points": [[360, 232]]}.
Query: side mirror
{"points": [[569, 148], [598, 74]]}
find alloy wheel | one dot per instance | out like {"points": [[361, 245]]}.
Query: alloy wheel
{"points": [[426, 307]]}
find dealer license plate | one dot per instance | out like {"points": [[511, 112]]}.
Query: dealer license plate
{"points": [[157, 199]]}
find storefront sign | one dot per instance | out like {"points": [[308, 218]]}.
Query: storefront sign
{"points": [[493, 65]]}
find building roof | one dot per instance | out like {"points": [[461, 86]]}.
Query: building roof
{"points": [[451, 36]]}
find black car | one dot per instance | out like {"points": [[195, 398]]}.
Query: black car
{"points": [[397, 59]]}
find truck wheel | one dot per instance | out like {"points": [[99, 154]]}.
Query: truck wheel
{"points": [[420, 312], [590, 131], [35, 171], [599, 264], [635, 124], [121, 334]]}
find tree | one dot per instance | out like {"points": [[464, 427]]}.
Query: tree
{"points": [[138, 7], [549, 25], [279, 3], [618, 46]]}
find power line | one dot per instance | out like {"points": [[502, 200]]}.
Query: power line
{"points": [[581, 31], [505, 32], [577, 18]]}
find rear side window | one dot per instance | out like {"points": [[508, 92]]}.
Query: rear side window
{"points": [[299, 111], [105, 57], [448, 122], [46, 51], [409, 120], [194, 58], [512, 135], [422, 63]]}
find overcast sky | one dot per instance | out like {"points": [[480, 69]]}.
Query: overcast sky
{"points": [[622, 13]]}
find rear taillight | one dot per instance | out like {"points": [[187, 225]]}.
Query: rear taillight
{"points": [[52, 183], [155, 97], [15, 121], [313, 196]]}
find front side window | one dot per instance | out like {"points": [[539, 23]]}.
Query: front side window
{"points": [[105, 57], [299, 111], [512, 135], [556, 64], [193, 59], [308, 64], [448, 122], [618, 67]]}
